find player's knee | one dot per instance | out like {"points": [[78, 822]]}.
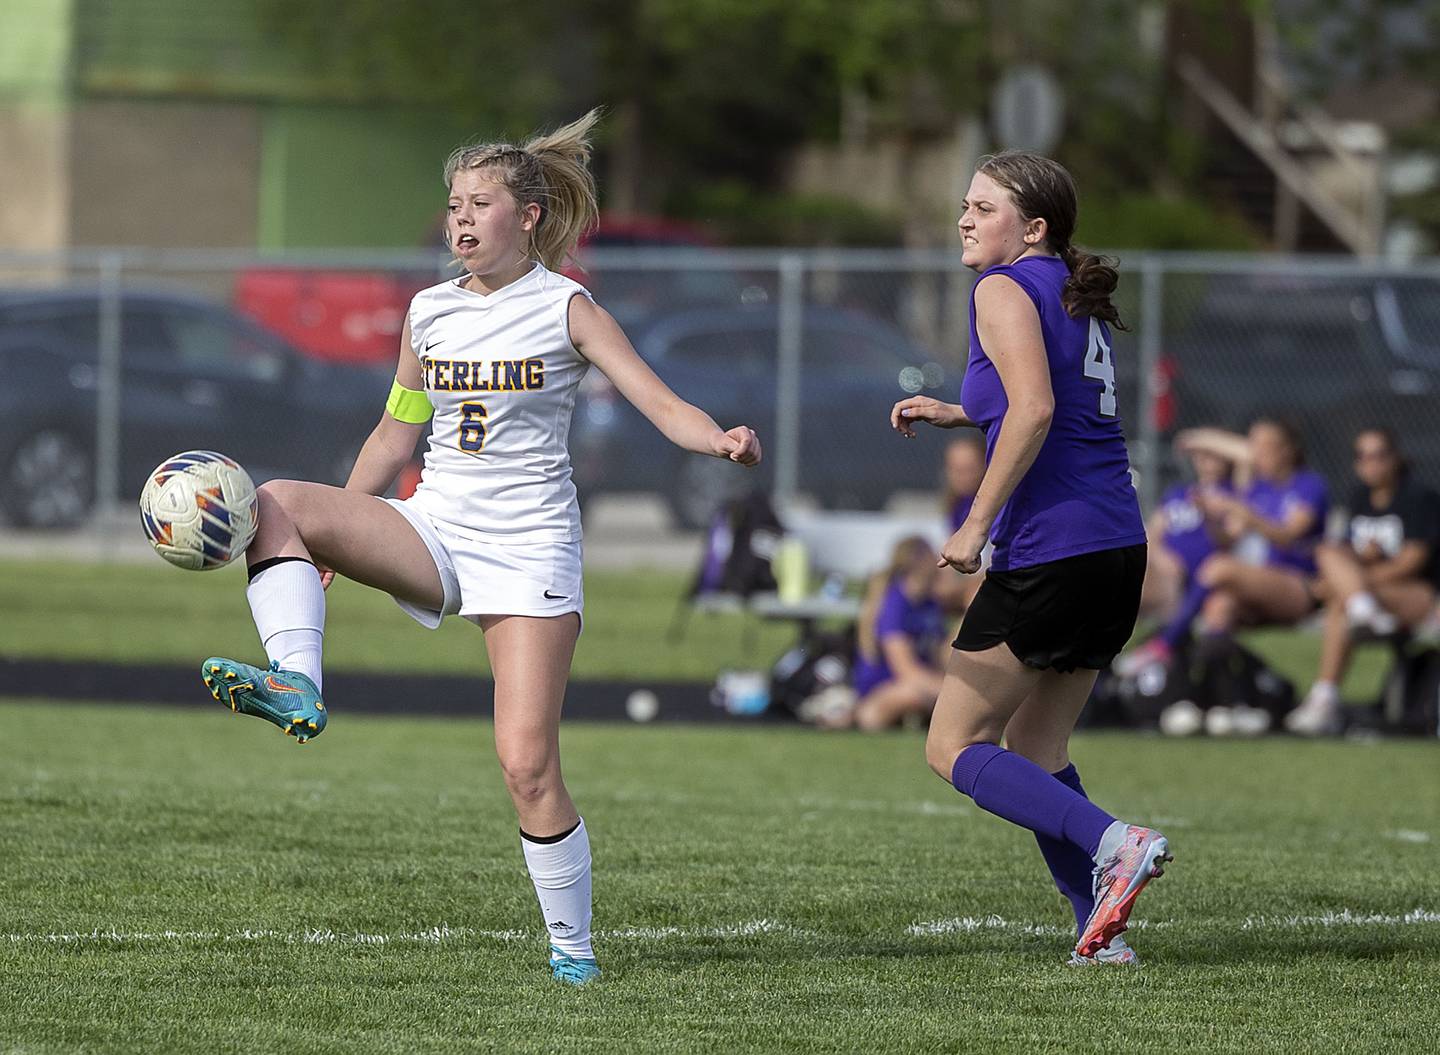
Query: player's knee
{"points": [[529, 774], [941, 753], [286, 495]]}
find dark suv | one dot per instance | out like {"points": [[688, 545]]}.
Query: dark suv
{"points": [[853, 369], [1332, 354], [193, 375]]}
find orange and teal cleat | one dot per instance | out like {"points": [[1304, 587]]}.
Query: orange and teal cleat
{"points": [[285, 697], [1120, 875]]}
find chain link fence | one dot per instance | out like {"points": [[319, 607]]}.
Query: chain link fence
{"points": [[112, 360]]}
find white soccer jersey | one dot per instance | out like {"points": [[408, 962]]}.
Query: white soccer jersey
{"points": [[502, 375]]}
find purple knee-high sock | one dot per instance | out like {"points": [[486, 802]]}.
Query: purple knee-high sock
{"points": [[1011, 786], [1068, 864], [1177, 630]]}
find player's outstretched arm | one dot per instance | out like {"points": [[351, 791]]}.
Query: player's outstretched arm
{"points": [[599, 338], [905, 414], [391, 443]]}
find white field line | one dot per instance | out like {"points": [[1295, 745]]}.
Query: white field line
{"points": [[971, 924], [1407, 835], [747, 929], [431, 936], [1343, 918]]}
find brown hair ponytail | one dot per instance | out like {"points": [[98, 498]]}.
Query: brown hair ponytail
{"points": [[1044, 189], [1087, 291]]}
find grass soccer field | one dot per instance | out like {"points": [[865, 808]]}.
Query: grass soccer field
{"points": [[191, 882], [73, 611]]}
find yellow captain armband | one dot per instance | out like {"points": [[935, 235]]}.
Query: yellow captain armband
{"points": [[408, 405]]}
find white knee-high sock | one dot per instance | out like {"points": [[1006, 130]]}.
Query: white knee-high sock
{"points": [[288, 604], [560, 870]]}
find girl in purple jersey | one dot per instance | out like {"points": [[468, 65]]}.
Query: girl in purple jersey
{"points": [[1180, 534], [1272, 525], [1183, 535], [900, 634], [1063, 589]]}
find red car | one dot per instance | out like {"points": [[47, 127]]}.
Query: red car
{"points": [[357, 316]]}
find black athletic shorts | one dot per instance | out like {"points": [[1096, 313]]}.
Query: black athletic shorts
{"points": [[1075, 612]]}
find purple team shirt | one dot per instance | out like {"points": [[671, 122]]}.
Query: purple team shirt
{"points": [[920, 621], [1077, 497], [1275, 500], [1186, 533]]}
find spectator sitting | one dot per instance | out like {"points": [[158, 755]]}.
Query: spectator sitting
{"points": [[1266, 536], [1383, 576], [964, 469], [1181, 536], [899, 640]]}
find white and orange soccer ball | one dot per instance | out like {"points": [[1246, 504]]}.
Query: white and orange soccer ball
{"points": [[199, 510]]}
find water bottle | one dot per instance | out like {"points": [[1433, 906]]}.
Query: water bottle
{"points": [[792, 570]]}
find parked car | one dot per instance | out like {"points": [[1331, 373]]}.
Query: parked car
{"points": [[193, 375], [854, 368], [338, 316], [635, 295], [1329, 354]]}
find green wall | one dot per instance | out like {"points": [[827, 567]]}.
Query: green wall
{"points": [[35, 40], [351, 176]]}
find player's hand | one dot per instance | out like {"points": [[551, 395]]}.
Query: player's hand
{"points": [[905, 414], [740, 444], [1219, 506], [962, 551], [326, 576]]}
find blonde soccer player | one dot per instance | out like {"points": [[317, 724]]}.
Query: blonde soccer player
{"points": [[492, 532]]}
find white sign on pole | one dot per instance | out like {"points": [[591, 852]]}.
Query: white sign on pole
{"points": [[1027, 109]]}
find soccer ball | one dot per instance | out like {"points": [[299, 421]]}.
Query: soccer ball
{"points": [[198, 510]]}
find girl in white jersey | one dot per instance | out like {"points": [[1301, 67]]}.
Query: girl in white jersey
{"points": [[492, 533]]}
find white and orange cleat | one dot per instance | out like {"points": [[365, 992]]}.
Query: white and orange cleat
{"points": [[1116, 954], [1129, 857]]}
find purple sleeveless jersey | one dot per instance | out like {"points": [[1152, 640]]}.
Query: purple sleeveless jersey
{"points": [[1077, 497]]}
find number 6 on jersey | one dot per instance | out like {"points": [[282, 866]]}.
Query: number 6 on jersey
{"points": [[472, 427], [1099, 366]]}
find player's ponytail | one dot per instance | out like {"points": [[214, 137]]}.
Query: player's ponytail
{"points": [[569, 210], [551, 171], [1088, 289], [1044, 189]]}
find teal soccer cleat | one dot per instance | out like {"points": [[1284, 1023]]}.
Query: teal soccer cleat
{"points": [[285, 697], [566, 968]]}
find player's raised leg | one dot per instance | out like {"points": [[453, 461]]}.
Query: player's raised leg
{"points": [[301, 525], [531, 660]]}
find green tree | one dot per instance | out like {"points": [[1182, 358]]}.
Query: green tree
{"points": [[720, 91]]}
